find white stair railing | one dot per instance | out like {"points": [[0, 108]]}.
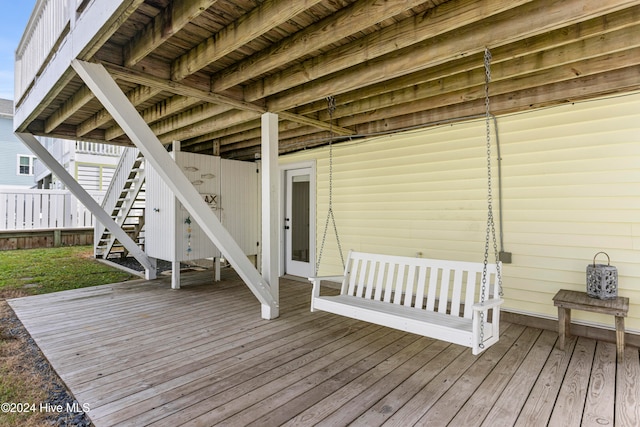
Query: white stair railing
{"points": [[128, 204], [118, 182]]}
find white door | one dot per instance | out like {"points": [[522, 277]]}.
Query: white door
{"points": [[299, 234]]}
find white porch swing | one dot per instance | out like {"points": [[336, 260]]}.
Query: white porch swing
{"points": [[453, 301]]}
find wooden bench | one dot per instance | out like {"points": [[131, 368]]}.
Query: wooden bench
{"points": [[565, 300], [434, 298]]}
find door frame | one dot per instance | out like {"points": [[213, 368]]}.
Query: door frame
{"points": [[311, 164]]}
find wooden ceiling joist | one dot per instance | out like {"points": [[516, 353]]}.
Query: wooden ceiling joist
{"points": [[72, 105], [592, 56], [355, 18], [203, 71], [526, 21], [409, 32], [162, 27], [548, 50], [136, 96], [183, 89], [268, 15]]}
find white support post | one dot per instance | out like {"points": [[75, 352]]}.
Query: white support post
{"points": [[175, 275], [270, 220], [150, 273], [101, 215], [98, 79], [216, 269]]}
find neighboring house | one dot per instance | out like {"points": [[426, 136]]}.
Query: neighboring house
{"points": [[90, 163], [16, 160]]}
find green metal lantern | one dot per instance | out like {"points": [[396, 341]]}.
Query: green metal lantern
{"points": [[602, 280]]}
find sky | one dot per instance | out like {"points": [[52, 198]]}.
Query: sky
{"points": [[15, 16]]}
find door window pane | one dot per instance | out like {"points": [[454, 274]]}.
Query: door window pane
{"points": [[300, 218]]}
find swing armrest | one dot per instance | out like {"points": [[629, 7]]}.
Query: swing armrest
{"points": [[316, 283], [491, 303]]}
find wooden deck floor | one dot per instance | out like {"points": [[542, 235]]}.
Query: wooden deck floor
{"points": [[142, 354]]}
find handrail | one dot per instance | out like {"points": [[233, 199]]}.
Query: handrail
{"points": [[98, 148], [48, 25], [120, 176]]}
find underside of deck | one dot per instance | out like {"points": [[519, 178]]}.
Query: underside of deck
{"points": [[139, 353]]}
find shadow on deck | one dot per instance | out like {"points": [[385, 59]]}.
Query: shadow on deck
{"points": [[139, 353]]}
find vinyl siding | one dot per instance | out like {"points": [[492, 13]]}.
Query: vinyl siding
{"points": [[94, 177], [570, 187], [10, 148]]}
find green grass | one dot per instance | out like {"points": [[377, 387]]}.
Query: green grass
{"points": [[40, 271]]}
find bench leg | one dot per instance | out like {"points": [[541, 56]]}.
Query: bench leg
{"points": [[620, 336], [564, 325]]}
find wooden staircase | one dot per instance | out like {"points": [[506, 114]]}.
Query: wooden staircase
{"points": [[125, 200]]}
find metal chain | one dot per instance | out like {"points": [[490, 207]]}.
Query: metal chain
{"points": [[331, 107], [487, 79], [490, 218]]}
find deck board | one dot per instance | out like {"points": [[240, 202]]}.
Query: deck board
{"points": [[568, 409], [140, 353], [627, 409], [599, 408], [507, 407], [487, 393]]}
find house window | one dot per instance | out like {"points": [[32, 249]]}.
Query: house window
{"points": [[25, 165]]}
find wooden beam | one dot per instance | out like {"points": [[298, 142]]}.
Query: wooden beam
{"points": [[157, 112], [85, 198], [526, 21], [73, 104], [125, 10], [357, 17], [136, 96], [168, 22], [445, 18], [221, 121], [108, 92], [265, 17], [143, 78], [189, 117], [622, 80], [598, 54], [232, 130], [448, 109], [381, 93], [140, 77], [410, 105], [253, 140]]}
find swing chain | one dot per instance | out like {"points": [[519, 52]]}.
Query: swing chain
{"points": [[331, 108], [490, 218], [490, 228]]}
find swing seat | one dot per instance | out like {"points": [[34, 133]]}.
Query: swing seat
{"points": [[439, 299]]}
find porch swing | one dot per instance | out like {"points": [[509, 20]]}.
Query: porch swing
{"points": [[453, 301]]}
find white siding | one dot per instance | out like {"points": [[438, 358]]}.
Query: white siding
{"points": [[240, 213], [571, 188], [204, 173], [167, 232], [230, 187], [89, 177], [160, 217]]}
